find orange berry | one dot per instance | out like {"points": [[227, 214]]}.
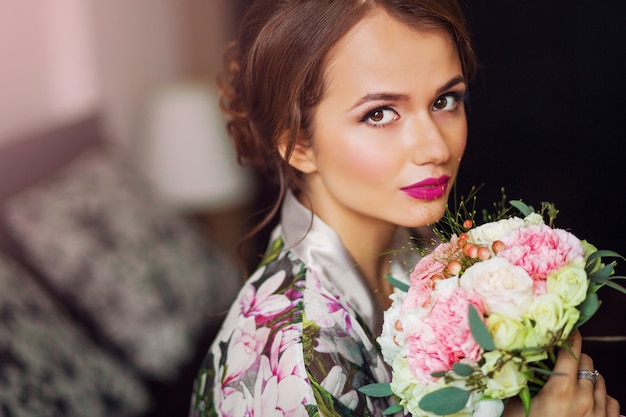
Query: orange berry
{"points": [[436, 277], [454, 268], [467, 247], [398, 325], [498, 246], [473, 252], [483, 253], [467, 224]]}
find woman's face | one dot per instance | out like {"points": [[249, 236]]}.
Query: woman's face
{"points": [[390, 130]]}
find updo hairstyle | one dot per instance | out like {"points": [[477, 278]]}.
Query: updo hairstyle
{"points": [[274, 72]]}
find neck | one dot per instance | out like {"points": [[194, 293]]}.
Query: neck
{"points": [[369, 242], [366, 239]]}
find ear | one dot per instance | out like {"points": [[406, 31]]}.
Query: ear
{"points": [[302, 158]]}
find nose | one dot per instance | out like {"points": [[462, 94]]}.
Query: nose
{"points": [[429, 144]]}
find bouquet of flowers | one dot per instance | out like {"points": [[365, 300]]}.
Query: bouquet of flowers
{"points": [[483, 313]]}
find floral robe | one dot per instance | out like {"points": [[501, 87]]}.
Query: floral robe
{"points": [[296, 341]]}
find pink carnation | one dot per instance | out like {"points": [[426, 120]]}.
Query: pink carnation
{"points": [[443, 337], [541, 249]]}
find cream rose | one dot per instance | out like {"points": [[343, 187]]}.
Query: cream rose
{"points": [[507, 333], [534, 219], [505, 288], [550, 317], [489, 408], [505, 375], [570, 283]]}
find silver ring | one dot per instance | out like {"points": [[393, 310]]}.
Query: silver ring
{"points": [[590, 375]]}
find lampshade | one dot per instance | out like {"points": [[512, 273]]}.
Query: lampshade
{"points": [[187, 154]]}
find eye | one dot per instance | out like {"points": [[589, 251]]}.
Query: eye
{"points": [[447, 102], [380, 116]]}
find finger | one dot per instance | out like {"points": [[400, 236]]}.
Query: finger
{"points": [[586, 364], [567, 360], [600, 398]]}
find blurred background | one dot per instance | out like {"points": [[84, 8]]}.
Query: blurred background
{"points": [[546, 114]]}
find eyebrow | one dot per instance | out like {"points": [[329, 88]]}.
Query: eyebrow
{"points": [[403, 97]]}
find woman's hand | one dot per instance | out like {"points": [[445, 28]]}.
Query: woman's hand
{"points": [[566, 394]]}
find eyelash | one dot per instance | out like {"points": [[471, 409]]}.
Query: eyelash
{"points": [[370, 112], [459, 97]]}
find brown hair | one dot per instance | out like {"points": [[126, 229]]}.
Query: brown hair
{"points": [[274, 71]]}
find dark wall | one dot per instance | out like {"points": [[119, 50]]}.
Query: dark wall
{"points": [[546, 121]]}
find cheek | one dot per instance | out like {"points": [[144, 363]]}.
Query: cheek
{"points": [[368, 163], [458, 140]]}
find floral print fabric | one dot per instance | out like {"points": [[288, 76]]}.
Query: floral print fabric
{"points": [[293, 343], [290, 346]]}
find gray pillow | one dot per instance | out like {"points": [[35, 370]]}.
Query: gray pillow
{"points": [[47, 366], [145, 277]]}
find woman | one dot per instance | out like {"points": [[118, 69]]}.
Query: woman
{"points": [[357, 108]]}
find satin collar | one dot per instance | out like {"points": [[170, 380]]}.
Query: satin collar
{"points": [[319, 247]]}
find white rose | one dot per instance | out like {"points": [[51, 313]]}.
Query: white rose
{"points": [[489, 408], [570, 283], [505, 288], [488, 233], [504, 375], [391, 340]]}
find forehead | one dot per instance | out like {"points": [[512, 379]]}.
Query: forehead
{"points": [[380, 49]]}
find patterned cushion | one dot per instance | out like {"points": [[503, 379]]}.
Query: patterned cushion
{"points": [[147, 280], [47, 366]]}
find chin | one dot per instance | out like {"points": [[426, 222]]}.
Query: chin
{"points": [[425, 216]]}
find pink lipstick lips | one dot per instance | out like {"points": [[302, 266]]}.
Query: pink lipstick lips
{"points": [[428, 189]]}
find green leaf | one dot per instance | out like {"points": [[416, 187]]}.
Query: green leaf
{"points": [[398, 284], [438, 374], [616, 286], [479, 330], [396, 408], [445, 401], [379, 389], [524, 395], [588, 308], [604, 253], [462, 369], [522, 207], [602, 274]]}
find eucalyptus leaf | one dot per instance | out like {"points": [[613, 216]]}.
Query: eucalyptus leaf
{"points": [[402, 286], [462, 369], [380, 389], [396, 408], [479, 330], [522, 207], [445, 401]]}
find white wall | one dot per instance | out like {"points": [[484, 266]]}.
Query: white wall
{"points": [[62, 59], [48, 71]]}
